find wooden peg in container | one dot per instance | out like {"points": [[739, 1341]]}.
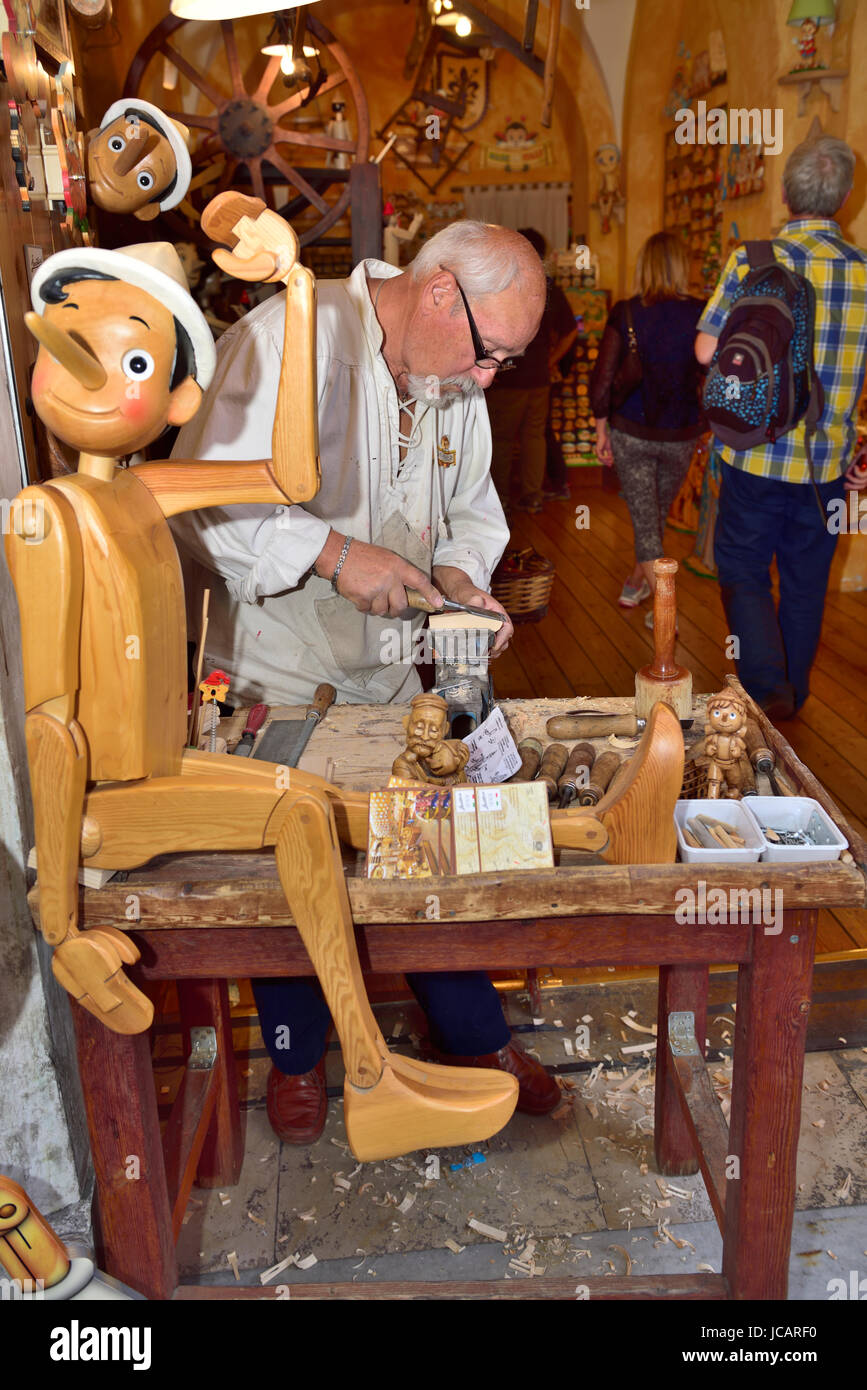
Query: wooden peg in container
{"points": [[551, 768], [602, 772], [663, 679], [530, 750]]}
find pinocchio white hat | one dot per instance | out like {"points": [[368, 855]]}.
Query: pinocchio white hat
{"points": [[176, 134], [152, 266]]}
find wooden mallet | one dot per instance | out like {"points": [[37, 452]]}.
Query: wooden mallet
{"points": [[663, 679]]}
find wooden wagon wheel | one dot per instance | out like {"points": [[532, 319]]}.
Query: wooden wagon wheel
{"points": [[248, 129]]}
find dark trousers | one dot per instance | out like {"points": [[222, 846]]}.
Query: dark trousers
{"points": [[462, 1007], [760, 518]]}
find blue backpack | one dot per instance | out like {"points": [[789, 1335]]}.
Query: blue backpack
{"points": [[762, 380]]}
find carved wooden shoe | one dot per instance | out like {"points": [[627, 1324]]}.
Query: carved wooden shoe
{"points": [[90, 967], [417, 1106], [638, 809], [393, 1104]]}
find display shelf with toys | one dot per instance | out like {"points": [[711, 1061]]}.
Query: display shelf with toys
{"points": [[572, 422], [693, 206]]}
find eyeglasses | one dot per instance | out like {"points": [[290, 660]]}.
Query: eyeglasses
{"points": [[483, 357]]}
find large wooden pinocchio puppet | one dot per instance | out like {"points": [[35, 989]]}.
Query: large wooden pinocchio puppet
{"points": [[125, 352]]}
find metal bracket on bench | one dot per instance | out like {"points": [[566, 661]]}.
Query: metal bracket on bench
{"points": [[203, 1049], [681, 1035]]}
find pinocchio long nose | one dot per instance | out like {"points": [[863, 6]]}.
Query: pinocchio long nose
{"points": [[136, 147], [80, 363]]}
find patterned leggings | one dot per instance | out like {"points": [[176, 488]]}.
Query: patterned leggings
{"points": [[651, 472]]}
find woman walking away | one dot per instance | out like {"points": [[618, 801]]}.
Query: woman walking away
{"points": [[646, 383]]}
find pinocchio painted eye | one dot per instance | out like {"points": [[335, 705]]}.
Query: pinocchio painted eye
{"points": [[137, 364], [145, 180], [116, 143]]}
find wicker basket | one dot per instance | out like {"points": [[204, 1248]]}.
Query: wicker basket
{"points": [[522, 583], [694, 781]]}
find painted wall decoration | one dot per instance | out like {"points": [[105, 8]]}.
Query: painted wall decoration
{"points": [[696, 74], [744, 172], [461, 75], [610, 202], [516, 149]]}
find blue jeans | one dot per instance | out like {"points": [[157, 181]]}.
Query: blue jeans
{"points": [[760, 518], [463, 1009]]}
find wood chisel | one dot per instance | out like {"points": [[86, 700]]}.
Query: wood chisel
{"points": [[255, 719], [761, 756], [551, 767], [577, 773], [530, 752], [595, 724], [417, 600], [284, 740], [601, 775]]}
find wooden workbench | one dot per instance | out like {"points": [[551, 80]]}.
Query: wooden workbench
{"points": [[206, 918]]}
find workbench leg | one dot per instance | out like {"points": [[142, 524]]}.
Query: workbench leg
{"points": [[774, 992], [682, 988], [205, 1004], [135, 1218]]}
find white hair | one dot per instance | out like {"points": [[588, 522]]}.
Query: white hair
{"points": [[476, 258], [817, 176]]}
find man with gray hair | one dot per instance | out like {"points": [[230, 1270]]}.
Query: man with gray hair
{"points": [[312, 592], [767, 503]]}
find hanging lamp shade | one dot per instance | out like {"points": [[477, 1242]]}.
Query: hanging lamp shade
{"points": [[229, 9], [822, 11]]}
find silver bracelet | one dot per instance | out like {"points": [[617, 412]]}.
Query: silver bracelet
{"points": [[343, 554]]}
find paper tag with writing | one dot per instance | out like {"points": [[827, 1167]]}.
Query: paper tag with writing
{"points": [[493, 754], [464, 800]]}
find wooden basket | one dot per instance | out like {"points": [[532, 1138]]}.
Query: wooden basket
{"points": [[694, 781], [522, 583]]}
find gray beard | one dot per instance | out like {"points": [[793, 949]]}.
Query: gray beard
{"points": [[420, 389]]}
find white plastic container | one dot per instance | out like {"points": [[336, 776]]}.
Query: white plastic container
{"points": [[795, 813], [734, 813]]}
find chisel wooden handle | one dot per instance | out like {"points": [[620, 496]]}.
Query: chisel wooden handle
{"points": [[551, 768], [591, 725], [530, 750], [578, 765], [604, 768], [761, 756], [323, 698]]}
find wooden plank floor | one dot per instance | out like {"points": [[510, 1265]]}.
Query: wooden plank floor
{"points": [[587, 645]]}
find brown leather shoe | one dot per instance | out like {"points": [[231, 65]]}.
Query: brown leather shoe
{"points": [[538, 1093], [297, 1104]]}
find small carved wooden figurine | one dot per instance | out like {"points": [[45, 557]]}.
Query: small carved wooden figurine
{"points": [[725, 743], [138, 161], [430, 756], [124, 351]]}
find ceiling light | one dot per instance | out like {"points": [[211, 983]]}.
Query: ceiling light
{"points": [[463, 28], [228, 9]]}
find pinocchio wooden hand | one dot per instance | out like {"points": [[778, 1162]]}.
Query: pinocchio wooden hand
{"points": [[124, 351]]}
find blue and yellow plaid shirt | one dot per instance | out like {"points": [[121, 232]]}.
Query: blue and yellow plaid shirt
{"points": [[815, 248]]}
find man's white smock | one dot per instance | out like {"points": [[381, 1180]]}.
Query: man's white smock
{"points": [[276, 628]]}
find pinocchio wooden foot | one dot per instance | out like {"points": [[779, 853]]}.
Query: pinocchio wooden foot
{"points": [[392, 1104], [663, 679]]}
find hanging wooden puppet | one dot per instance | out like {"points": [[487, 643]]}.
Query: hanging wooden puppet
{"points": [[138, 162]]}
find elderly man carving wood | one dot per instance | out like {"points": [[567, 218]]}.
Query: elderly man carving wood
{"points": [[313, 592]]}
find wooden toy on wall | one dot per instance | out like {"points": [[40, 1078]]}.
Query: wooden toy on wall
{"points": [[124, 351], [138, 162]]}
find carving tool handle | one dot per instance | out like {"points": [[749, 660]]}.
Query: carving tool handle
{"points": [[604, 768], [530, 750], [417, 600], [551, 767], [761, 756], [323, 699], [578, 766], [591, 725], [663, 666]]}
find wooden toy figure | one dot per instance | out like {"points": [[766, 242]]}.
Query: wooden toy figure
{"points": [[138, 162], [124, 351], [430, 756], [725, 744]]}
